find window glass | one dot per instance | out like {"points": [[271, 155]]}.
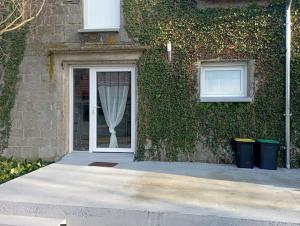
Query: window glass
{"points": [[81, 103], [102, 14], [223, 81], [111, 88]]}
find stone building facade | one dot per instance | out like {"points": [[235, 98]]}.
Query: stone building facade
{"points": [[55, 42], [43, 117]]}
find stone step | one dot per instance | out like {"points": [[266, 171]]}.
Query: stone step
{"points": [[95, 216], [13, 220]]}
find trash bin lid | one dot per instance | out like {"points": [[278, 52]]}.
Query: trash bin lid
{"points": [[268, 141], [244, 140]]}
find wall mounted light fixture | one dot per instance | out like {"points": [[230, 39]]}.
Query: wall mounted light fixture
{"points": [[169, 50]]}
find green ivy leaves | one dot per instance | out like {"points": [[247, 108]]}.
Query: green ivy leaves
{"points": [[170, 116], [12, 46], [12, 168]]}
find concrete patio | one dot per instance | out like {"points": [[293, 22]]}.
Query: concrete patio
{"points": [[153, 193]]}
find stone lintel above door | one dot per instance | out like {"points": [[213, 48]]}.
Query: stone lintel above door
{"points": [[96, 55]]}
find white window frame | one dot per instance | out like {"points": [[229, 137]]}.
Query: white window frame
{"points": [[243, 96], [99, 29]]}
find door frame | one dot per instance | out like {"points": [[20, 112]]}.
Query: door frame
{"points": [[93, 92]]}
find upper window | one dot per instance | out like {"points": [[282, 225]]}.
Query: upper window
{"points": [[102, 15], [223, 82]]}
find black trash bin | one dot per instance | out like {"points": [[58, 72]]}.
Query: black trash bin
{"points": [[244, 152], [266, 154]]}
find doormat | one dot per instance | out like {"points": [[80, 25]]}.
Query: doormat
{"points": [[103, 164]]}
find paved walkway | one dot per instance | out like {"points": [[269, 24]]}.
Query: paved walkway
{"points": [[153, 193]]}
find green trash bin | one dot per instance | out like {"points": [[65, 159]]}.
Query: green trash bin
{"points": [[266, 154], [244, 152]]}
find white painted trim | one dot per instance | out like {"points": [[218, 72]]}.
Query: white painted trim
{"points": [[91, 138], [133, 110], [225, 99], [71, 108], [93, 91], [98, 30], [113, 150], [93, 112]]}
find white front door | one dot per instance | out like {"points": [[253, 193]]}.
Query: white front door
{"points": [[110, 99], [112, 109]]}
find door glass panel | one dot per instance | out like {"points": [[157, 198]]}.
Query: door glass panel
{"points": [[81, 110], [113, 110]]}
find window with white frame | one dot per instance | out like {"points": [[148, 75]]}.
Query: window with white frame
{"points": [[101, 15], [222, 81]]}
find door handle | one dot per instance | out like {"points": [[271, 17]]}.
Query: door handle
{"points": [[94, 109]]}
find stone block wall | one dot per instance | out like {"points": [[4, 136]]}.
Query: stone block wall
{"points": [[38, 118]]}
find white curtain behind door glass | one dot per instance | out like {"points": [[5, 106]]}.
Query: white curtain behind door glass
{"points": [[113, 92]]}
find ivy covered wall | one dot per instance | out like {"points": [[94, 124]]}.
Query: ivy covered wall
{"points": [[12, 47], [173, 124]]}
